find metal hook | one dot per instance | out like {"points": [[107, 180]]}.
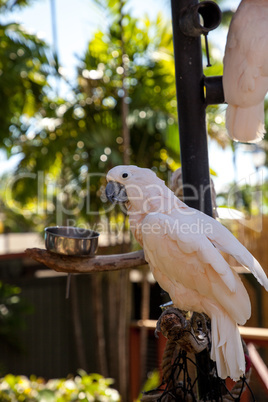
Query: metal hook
{"points": [[207, 50], [68, 285]]}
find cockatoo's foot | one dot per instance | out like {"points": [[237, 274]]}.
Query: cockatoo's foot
{"points": [[192, 334]]}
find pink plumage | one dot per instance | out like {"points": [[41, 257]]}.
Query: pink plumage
{"points": [[182, 246], [245, 74]]}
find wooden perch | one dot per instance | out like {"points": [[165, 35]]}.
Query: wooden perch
{"points": [[70, 264]]}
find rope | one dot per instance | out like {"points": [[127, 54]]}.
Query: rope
{"points": [[167, 359]]}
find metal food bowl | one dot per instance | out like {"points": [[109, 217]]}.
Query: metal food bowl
{"points": [[69, 240]]}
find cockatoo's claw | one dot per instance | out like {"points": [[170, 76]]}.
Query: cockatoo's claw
{"points": [[170, 318], [190, 334], [200, 324]]}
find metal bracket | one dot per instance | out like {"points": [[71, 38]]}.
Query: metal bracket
{"points": [[200, 18]]}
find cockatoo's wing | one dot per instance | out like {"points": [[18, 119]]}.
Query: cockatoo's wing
{"points": [[197, 278], [223, 239], [245, 78], [191, 269]]}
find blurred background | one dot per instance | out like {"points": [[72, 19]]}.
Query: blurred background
{"points": [[86, 85]]}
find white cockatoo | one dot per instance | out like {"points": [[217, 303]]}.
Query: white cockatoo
{"points": [[245, 72], [182, 246]]}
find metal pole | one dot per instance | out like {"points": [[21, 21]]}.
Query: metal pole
{"points": [[192, 126], [191, 113]]}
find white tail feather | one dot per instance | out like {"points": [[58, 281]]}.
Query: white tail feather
{"points": [[245, 124], [226, 348]]}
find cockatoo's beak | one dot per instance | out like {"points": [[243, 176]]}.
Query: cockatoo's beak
{"points": [[116, 192]]}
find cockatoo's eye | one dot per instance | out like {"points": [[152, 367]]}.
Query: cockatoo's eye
{"points": [[124, 175]]}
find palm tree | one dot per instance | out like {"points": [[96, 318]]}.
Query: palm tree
{"points": [[25, 63]]}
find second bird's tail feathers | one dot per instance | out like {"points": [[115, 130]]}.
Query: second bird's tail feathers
{"points": [[245, 124]]}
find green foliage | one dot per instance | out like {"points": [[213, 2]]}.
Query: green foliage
{"points": [[13, 310], [131, 62], [25, 63], [10, 5], [83, 387], [152, 382], [128, 64], [246, 198]]}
